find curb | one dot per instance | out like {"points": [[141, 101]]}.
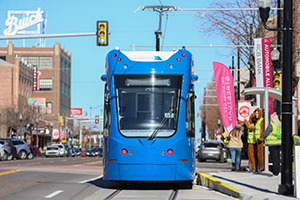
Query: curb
{"points": [[215, 184]]}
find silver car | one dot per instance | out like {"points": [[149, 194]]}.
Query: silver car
{"points": [[212, 150], [62, 149], [52, 151], [23, 148], [7, 149]]}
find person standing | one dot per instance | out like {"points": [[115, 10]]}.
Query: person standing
{"points": [[252, 146], [259, 136], [272, 137], [235, 146]]}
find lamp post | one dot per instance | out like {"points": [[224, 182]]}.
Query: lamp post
{"points": [[21, 124], [286, 187], [37, 132]]}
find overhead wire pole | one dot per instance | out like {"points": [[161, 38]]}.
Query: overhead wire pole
{"points": [[160, 9]]}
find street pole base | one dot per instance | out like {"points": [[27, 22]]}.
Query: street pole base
{"points": [[287, 189]]}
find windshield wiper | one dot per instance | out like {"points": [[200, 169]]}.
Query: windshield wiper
{"points": [[161, 125]]}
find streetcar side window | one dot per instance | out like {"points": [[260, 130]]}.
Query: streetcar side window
{"points": [[106, 121], [190, 114]]}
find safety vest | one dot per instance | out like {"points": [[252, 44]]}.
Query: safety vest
{"points": [[272, 140], [251, 139], [257, 129]]}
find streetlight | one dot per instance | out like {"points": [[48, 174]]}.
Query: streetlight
{"points": [[286, 187], [21, 124]]}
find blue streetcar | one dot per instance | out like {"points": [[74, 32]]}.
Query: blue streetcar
{"points": [[149, 117]]}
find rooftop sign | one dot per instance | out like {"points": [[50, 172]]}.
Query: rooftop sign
{"points": [[17, 21]]}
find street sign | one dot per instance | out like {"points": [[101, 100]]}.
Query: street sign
{"points": [[62, 135], [55, 134]]}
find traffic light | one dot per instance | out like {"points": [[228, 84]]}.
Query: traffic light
{"points": [[97, 119], [102, 33], [61, 120], [277, 80]]}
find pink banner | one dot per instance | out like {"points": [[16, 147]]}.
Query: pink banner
{"points": [[267, 63], [225, 94]]}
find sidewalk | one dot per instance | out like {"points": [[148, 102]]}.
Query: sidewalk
{"points": [[244, 185]]}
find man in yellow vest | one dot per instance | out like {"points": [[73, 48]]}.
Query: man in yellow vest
{"points": [[252, 146], [272, 137], [259, 136]]}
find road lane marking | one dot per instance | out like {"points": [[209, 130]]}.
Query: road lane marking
{"points": [[53, 194], [92, 179], [91, 163], [9, 172]]}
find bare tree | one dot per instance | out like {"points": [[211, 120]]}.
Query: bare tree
{"points": [[237, 27], [210, 113]]}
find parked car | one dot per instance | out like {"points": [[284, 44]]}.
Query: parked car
{"points": [[8, 146], [52, 151], [72, 152], [100, 150], [212, 149], [78, 152], [23, 149], [62, 149], [92, 152], [1, 150]]}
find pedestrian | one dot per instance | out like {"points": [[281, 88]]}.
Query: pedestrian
{"points": [[259, 136], [272, 137], [235, 146], [252, 146]]}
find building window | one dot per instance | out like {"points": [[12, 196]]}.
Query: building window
{"points": [[45, 84], [48, 108], [41, 62]]}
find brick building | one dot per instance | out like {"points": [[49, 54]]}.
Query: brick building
{"points": [[54, 65]]}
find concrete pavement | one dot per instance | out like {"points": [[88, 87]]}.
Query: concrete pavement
{"points": [[244, 185]]}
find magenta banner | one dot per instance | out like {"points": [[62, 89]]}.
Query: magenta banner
{"points": [[267, 63], [225, 94]]}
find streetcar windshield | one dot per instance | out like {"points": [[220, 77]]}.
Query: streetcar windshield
{"points": [[146, 103]]}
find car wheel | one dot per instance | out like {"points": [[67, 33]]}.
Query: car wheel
{"points": [[22, 155], [10, 157], [30, 156], [221, 159], [4, 157]]}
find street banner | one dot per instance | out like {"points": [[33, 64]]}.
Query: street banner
{"points": [[258, 62], [55, 134], [225, 94], [243, 110], [62, 135], [267, 63]]}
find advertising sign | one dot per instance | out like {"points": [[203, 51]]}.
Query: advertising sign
{"points": [[30, 101], [225, 94], [258, 62], [55, 134], [18, 21], [243, 110], [76, 111], [35, 78], [40, 101]]}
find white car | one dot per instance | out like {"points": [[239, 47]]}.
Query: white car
{"points": [[52, 151], [1, 150], [62, 149]]}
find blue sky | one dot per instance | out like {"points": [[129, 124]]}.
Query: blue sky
{"points": [[127, 28]]}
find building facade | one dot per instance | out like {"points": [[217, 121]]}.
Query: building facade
{"points": [[53, 82]]}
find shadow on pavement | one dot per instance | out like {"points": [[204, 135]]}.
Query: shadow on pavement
{"points": [[136, 185]]}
